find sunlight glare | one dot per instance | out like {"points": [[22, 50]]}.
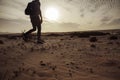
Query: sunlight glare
{"points": [[52, 14]]}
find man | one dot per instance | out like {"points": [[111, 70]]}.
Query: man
{"points": [[36, 20]]}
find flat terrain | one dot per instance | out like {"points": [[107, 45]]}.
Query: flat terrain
{"points": [[63, 56]]}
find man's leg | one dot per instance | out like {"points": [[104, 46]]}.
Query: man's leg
{"points": [[33, 25], [30, 31], [39, 40], [26, 35], [39, 33]]}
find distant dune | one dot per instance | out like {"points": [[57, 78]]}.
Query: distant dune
{"points": [[91, 55]]}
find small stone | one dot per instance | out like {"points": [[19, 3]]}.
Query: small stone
{"points": [[93, 39], [42, 64], [93, 46], [91, 70], [118, 67], [1, 42], [54, 68], [70, 73], [113, 37]]}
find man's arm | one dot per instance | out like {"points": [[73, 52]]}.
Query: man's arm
{"points": [[40, 13], [41, 16]]}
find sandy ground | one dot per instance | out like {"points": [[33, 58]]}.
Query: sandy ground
{"points": [[63, 56]]}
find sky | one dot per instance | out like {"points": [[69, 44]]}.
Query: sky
{"points": [[74, 15]]}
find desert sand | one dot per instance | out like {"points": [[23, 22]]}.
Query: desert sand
{"points": [[64, 56]]}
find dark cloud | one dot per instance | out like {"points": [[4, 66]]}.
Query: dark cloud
{"points": [[107, 3], [82, 10], [105, 19], [69, 0], [115, 22], [82, 15], [90, 5]]}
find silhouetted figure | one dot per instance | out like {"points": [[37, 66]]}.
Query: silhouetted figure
{"points": [[33, 10]]}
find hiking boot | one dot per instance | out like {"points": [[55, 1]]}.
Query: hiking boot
{"points": [[25, 38], [40, 41]]}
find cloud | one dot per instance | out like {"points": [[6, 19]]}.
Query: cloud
{"points": [[60, 27], [15, 25], [8, 25], [12, 9], [105, 19], [70, 25], [72, 13], [115, 22], [82, 15]]}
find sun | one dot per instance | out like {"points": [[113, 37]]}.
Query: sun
{"points": [[52, 13]]}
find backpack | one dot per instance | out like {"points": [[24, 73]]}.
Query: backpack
{"points": [[32, 8], [28, 10]]}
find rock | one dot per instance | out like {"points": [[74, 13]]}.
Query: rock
{"points": [[32, 49], [12, 37], [16, 73], [70, 73], [91, 70], [93, 39], [110, 63], [93, 46], [113, 37], [42, 64], [42, 49], [1, 42], [118, 67], [54, 68]]}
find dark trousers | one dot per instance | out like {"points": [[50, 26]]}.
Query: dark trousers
{"points": [[36, 23]]}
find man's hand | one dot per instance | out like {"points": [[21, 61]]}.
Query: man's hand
{"points": [[41, 21]]}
